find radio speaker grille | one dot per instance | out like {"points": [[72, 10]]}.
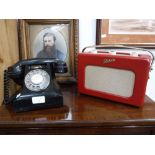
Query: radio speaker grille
{"points": [[110, 80]]}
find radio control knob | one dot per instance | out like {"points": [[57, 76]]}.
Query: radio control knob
{"points": [[112, 52], [135, 54]]}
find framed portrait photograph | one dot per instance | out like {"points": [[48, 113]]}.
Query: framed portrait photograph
{"points": [[50, 38], [138, 32]]}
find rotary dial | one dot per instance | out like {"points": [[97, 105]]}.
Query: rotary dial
{"points": [[37, 80]]}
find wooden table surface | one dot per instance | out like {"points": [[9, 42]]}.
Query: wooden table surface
{"points": [[81, 114]]}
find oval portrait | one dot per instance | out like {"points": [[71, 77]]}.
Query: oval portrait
{"points": [[51, 42]]}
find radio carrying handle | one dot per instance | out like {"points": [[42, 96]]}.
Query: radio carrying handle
{"points": [[121, 46]]}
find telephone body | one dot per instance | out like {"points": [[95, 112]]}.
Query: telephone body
{"points": [[39, 88]]}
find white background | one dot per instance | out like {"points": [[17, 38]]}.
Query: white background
{"points": [[85, 10]]}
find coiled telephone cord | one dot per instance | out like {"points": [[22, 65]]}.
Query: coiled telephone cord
{"points": [[6, 87]]}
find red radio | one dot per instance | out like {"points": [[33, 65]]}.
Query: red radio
{"points": [[118, 76]]}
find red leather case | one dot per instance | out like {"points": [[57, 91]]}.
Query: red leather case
{"points": [[139, 65]]}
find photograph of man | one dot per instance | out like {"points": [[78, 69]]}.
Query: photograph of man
{"points": [[49, 48]]}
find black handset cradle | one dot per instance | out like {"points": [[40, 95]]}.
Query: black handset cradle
{"points": [[39, 87]]}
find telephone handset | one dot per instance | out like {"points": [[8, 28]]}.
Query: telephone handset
{"points": [[39, 87]]}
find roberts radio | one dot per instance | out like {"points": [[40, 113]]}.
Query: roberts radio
{"points": [[114, 75]]}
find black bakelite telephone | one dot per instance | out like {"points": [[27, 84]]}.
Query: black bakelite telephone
{"points": [[39, 87]]}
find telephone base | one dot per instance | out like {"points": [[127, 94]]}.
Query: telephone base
{"points": [[28, 106]]}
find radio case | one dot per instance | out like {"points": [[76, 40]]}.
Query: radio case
{"points": [[120, 77]]}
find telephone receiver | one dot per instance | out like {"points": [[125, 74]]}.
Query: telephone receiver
{"points": [[37, 78]]}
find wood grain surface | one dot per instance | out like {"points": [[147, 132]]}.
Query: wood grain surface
{"points": [[81, 114], [9, 53]]}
